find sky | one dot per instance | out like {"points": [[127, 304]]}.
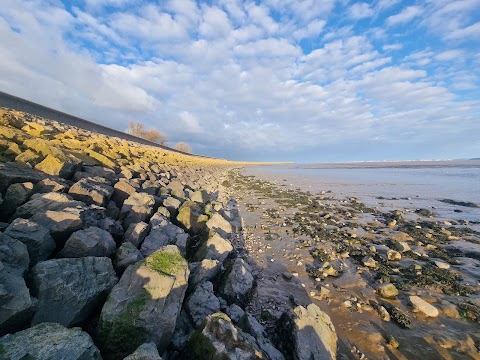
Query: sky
{"points": [[272, 80]]}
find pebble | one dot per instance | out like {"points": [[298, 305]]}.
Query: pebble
{"points": [[442, 265]]}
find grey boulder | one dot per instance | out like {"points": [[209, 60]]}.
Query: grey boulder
{"points": [[69, 290], [146, 351], [48, 342], [136, 208], [92, 241], [92, 191], [40, 244], [162, 233], [144, 305], [136, 233], [127, 254], [215, 248], [43, 202], [202, 303], [14, 255], [239, 282]]}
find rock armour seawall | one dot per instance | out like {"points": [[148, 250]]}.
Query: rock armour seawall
{"points": [[119, 250]]}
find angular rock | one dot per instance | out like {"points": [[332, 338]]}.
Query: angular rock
{"points": [[204, 270], [47, 342], [215, 248], [136, 233], [92, 241], [137, 208], [49, 185], [218, 224], [101, 172], [127, 254], [144, 305], [239, 282], [172, 204], [307, 333], [387, 290], [192, 217], [393, 255], [14, 255], [40, 244], [218, 338], [420, 305], [202, 302], [61, 224], [176, 188], [11, 173], [121, 192], [16, 305], [200, 196], [235, 312], [42, 202], [146, 351], [69, 290], [92, 191], [162, 233], [401, 246], [16, 195], [59, 165]]}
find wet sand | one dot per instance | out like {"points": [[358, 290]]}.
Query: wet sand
{"points": [[334, 252]]}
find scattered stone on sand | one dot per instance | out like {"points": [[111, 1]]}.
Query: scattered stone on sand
{"points": [[420, 305]]}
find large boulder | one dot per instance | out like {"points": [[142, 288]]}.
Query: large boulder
{"points": [[191, 216], [219, 224], [16, 195], [176, 188], [307, 333], [92, 191], [62, 223], [215, 248], [172, 204], [92, 241], [239, 282], [69, 290], [121, 191], [202, 302], [218, 338], [16, 305], [59, 165], [11, 173], [40, 244], [144, 305], [48, 201], [14, 255], [204, 270], [127, 254], [146, 351], [136, 233], [162, 233], [137, 208], [47, 342]]}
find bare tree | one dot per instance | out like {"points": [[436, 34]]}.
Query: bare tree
{"points": [[138, 129], [181, 146]]}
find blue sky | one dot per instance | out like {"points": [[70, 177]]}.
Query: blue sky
{"points": [[296, 80]]}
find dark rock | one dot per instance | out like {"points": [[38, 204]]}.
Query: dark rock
{"points": [[43, 202], [144, 305], [92, 191], [145, 352], [11, 173], [136, 233], [14, 255], [127, 254], [48, 342], [61, 224], [121, 192], [40, 244], [69, 290], [239, 282], [92, 241]]}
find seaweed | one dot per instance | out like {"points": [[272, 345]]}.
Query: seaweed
{"points": [[400, 318]]}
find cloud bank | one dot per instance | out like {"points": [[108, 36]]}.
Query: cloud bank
{"points": [[297, 80]]}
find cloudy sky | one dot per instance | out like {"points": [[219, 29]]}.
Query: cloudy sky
{"points": [[296, 80]]}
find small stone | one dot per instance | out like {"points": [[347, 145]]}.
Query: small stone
{"points": [[420, 305], [287, 275], [387, 290], [442, 265], [369, 262], [393, 255]]}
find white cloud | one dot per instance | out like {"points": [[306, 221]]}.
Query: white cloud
{"points": [[360, 11], [215, 23], [190, 123], [393, 47], [449, 55], [472, 31], [406, 15], [313, 29]]}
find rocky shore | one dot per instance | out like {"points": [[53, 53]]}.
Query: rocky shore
{"points": [[116, 250]]}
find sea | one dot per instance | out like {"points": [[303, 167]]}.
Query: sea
{"points": [[388, 185]]}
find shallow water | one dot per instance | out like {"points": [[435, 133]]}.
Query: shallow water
{"points": [[408, 185]]}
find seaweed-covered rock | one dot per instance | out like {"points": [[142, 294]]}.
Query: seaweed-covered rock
{"points": [[219, 339], [400, 318], [307, 333], [68, 290], [144, 305], [40, 244], [146, 351], [49, 341]]}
